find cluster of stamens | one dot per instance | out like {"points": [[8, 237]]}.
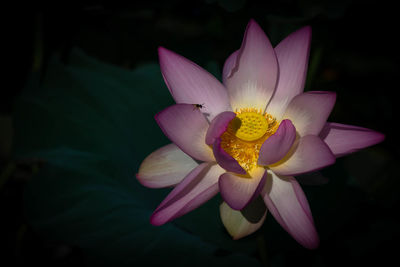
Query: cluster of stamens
{"points": [[245, 135]]}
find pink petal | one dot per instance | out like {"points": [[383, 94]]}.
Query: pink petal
{"points": [[241, 223], [277, 145], [308, 154], [166, 166], [344, 139], [251, 82], [309, 111], [225, 160], [288, 204], [239, 191], [186, 127], [218, 126], [292, 54], [200, 185], [189, 83]]}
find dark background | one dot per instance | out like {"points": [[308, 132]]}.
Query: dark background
{"points": [[354, 52]]}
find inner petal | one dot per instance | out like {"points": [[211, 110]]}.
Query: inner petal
{"points": [[245, 135]]}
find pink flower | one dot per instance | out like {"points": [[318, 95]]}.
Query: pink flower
{"points": [[247, 137]]}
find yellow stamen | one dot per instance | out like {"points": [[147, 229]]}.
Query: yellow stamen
{"points": [[246, 134]]}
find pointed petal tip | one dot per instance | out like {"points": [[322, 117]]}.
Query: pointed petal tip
{"points": [[162, 50], [154, 220], [306, 29], [253, 25], [312, 243], [164, 54]]}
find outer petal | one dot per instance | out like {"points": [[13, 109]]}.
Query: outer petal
{"points": [[199, 186], [292, 54], [241, 223], [225, 160], [251, 82], [308, 153], [218, 126], [186, 127], [239, 191], [167, 166], [189, 83], [309, 111], [277, 145], [344, 139], [288, 204]]}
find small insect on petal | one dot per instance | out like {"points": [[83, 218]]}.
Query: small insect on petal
{"points": [[198, 106]]}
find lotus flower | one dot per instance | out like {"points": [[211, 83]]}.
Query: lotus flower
{"points": [[247, 137]]}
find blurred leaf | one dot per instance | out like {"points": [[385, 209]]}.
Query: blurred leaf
{"points": [[93, 124]]}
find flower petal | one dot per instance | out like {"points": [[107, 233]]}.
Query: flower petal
{"points": [[308, 153], [167, 166], [251, 82], [241, 223], [186, 127], [309, 111], [287, 203], [218, 126], [277, 145], [225, 160], [344, 139], [239, 191], [189, 83], [292, 54], [200, 185]]}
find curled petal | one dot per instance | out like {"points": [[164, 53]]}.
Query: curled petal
{"points": [[189, 83], [200, 185], [239, 191], [167, 166], [186, 127], [218, 126], [308, 154], [225, 160], [241, 223], [251, 81], [292, 54], [309, 111], [277, 145], [344, 139], [287, 203], [229, 64]]}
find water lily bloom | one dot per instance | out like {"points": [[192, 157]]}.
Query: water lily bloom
{"points": [[247, 137]]}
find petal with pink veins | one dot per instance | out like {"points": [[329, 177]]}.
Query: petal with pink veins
{"points": [[167, 166], [189, 83], [292, 54], [309, 111], [239, 191], [286, 201], [241, 223], [278, 144], [344, 139], [199, 186], [186, 127], [308, 153], [218, 126], [252, 80]]}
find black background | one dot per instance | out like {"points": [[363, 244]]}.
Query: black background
{"points": [[354, 53]]}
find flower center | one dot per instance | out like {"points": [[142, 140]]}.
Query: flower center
{"points": [[245, 135]]}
